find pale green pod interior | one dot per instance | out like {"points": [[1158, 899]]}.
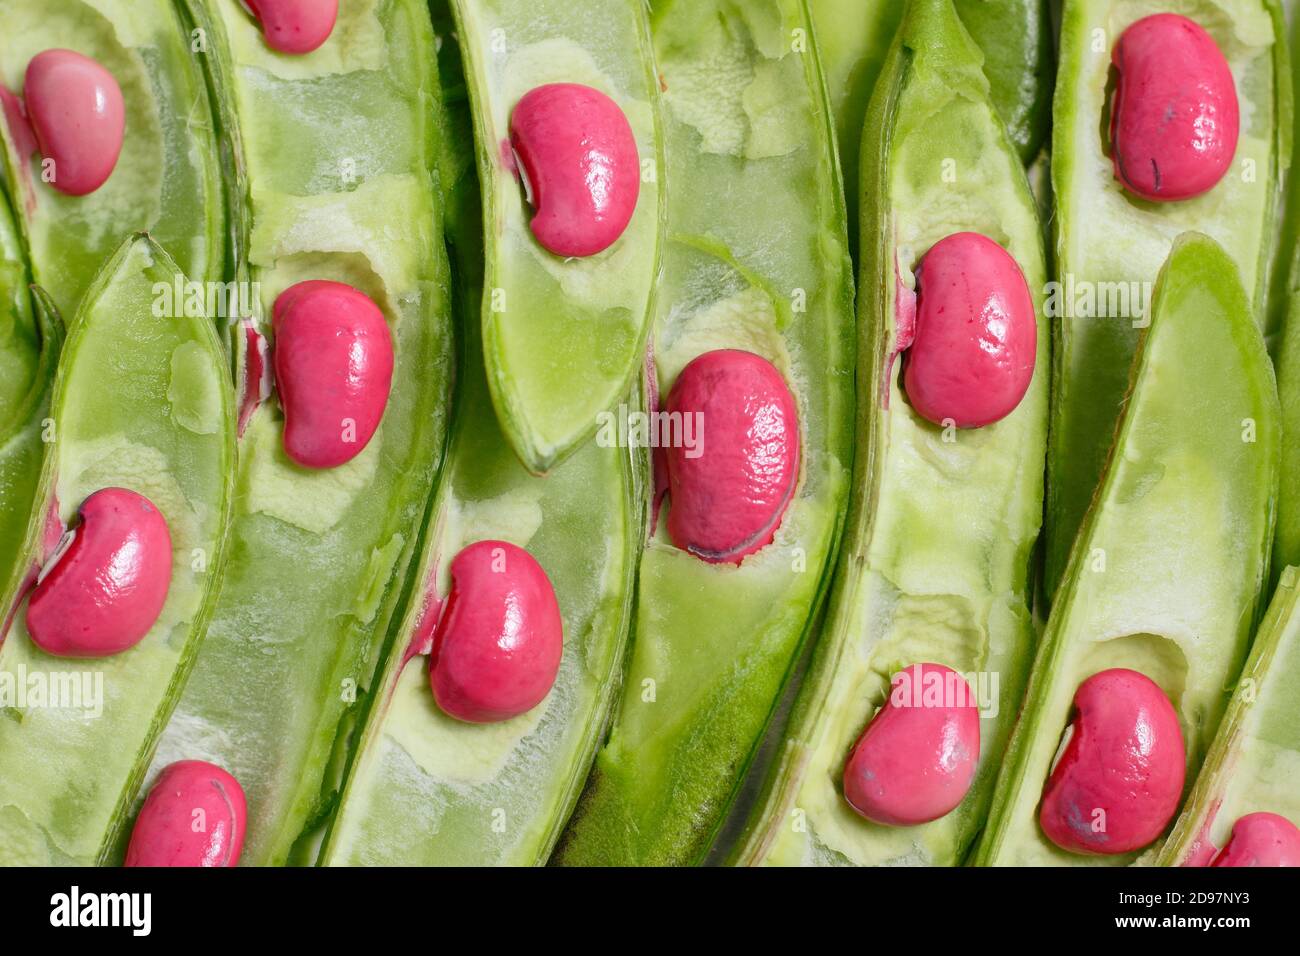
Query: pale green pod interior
{"points": [[72, 758], [337, 166], [746, 115], [561, 337], [1254, 762], [1167, 572], [936, 566], [423, 788], [1110, 244], [167, 179]]}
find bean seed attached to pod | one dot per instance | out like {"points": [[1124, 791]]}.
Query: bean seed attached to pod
{"points": [[195, 815], [1261, 839], [729, 491], [106, 584], [333, 364], [1174, 119], [577, 156], [295, 26], [1118, 781], [77, 116], [497, 647], [916, 758], [971, 356]]}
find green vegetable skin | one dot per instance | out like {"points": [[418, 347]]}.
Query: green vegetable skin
{"points": [[167, 179], [424, 789], [1166, 574], [1286, 546], [66, 779], [561, 337], [30, 337], [746, 116], [1110, 245], [1254, 761], [338, 147], [1016, 37], [853, 37], [917, 583]]}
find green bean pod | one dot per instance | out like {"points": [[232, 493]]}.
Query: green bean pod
{"points": [[853, 38], [1109, 244], [562, 338], [494, 794], [1254, 761], [917, 582], [168, 177], [72, 758], [1167, 572], [1019, 61], [1286, 356], [334, 170], [747, 115]]}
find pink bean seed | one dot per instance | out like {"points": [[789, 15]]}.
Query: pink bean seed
{"points": [[498, 643], [729, 487], [107, 583], [334, 369], [578, 157], [1120, 777], [195, 815], [77, 117], [974, 342], [295, 26], [1174, 119], [916, 759]]}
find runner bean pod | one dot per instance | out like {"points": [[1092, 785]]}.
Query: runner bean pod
{"points": [[1199, 438], [950, 585], [746, 114], [168, 436], [320, 555]]}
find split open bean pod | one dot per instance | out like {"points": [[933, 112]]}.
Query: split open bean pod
{"points": [[160, 454]]}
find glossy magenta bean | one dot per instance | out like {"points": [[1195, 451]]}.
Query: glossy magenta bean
{"points": [[730, 487], [333, 364], [1117, 784], [195, 815], [77, 116], [916, 758], [295, 26], [975, 341], [1174, 119], [108, 581], [1261, 839], [497, 646], [578, 157]]}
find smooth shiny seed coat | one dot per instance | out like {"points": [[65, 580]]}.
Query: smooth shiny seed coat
{"points": [[730, 485], [77, 116], [195, 815], [105, 591], [1118, 782], [578, 156], [333, 364], [916, 758], [295, 26], [975, 338], [497, 647], [1261, 839], [1174, 119]]}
